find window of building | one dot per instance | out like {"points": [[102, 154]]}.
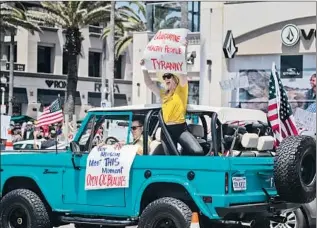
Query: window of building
{"points": [[44, 59], [94, 64], [14, 51], [118, 68], [167, 15]]}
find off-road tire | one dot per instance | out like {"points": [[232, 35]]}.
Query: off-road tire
{"points": [[289, 182], [169, 208], [30, 202]]}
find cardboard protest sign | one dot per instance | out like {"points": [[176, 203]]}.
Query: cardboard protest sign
{"points": [[5, 126], [108, 167], [167, 51], [305, 120]]}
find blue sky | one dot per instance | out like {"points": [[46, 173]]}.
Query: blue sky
{"points": [[134, 7]]}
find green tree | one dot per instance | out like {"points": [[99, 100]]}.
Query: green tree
{"points": [[12, 17], [127, 21], [72, 16]]}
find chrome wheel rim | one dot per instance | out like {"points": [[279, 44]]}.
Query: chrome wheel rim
{"points": [[291, 221]]}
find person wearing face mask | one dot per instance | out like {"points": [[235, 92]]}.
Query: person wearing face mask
{"points": [[28, 133], [174, 102]]}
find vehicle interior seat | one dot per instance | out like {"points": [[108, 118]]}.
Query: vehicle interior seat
{"points": [[197, 131], [156, 147], [249, 141], [265, 146]]}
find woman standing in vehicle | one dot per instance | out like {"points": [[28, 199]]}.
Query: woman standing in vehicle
{"points": [[174, 102]]}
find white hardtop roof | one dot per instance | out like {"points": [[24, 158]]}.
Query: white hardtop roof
{"points": [[224, 113]]}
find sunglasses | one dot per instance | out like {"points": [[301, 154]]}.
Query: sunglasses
{"points": [[135, 127], [167, 76]]}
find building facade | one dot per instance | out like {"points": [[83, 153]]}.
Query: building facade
{"points": [[264, 32], [41, 69]]}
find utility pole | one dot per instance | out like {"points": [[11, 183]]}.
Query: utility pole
{"points": [[11, 73]]}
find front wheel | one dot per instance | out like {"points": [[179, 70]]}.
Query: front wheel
{"points": [[22, 208], [166, 212]]}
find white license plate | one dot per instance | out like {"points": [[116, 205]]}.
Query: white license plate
{"points": [[239, 183]]}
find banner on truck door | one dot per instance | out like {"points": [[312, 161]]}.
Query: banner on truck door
{"points": [[167, 51], [108, 167]]}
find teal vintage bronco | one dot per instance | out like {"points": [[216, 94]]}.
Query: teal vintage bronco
{"points": [[228, 173]]}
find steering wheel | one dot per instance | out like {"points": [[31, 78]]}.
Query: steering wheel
{"points": [[111, 140]]}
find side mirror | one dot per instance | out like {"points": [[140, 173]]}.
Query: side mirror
{"points": [[74, 147]]}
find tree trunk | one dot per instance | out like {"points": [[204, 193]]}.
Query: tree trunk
{"points": [[71, 88], [184, 15], [11, 74], [110, 43]]}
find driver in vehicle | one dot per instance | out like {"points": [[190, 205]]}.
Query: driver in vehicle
{"points": [[137, 134]]}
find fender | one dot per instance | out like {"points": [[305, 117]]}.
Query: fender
{"points": [[173, 180], [52, 198]]}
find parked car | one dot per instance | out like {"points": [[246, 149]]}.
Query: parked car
{"points": [[29, 145]]}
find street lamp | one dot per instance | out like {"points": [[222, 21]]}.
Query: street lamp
{"points": [[3, 82]]}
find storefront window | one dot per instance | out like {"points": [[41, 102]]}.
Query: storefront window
{"points": [[167, 15]]}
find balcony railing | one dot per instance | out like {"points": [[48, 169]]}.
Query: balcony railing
{"points": [[95, 29], [17, 67]]}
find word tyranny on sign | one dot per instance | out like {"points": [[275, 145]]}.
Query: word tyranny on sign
{"points": [[109, 168], [167, 51]]}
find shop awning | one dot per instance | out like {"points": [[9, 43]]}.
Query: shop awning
{"points": [[21, 119]]}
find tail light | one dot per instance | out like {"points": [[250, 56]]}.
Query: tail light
{"points": [[226, 183]]}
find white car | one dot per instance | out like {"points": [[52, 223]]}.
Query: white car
{"points": [[28, 145]]}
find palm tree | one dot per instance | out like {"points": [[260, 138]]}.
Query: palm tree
{"points": [[127, 21], [72, 16], [13, 17]]}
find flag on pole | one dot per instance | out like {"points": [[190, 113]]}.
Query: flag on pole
{"points": [[51, 114], [280, 113]]}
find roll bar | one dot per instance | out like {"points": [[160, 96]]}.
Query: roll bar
{"points": [[215, 147], [146, 130], [167, 135]]}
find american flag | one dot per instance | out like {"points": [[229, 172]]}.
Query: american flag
{"points": [[51, 114], [280, 112]]}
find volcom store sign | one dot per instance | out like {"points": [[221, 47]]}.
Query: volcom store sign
{"points": [[56, 84], [291, 34]]}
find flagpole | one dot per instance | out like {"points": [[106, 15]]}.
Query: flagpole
{"points": [[278, 96]]}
